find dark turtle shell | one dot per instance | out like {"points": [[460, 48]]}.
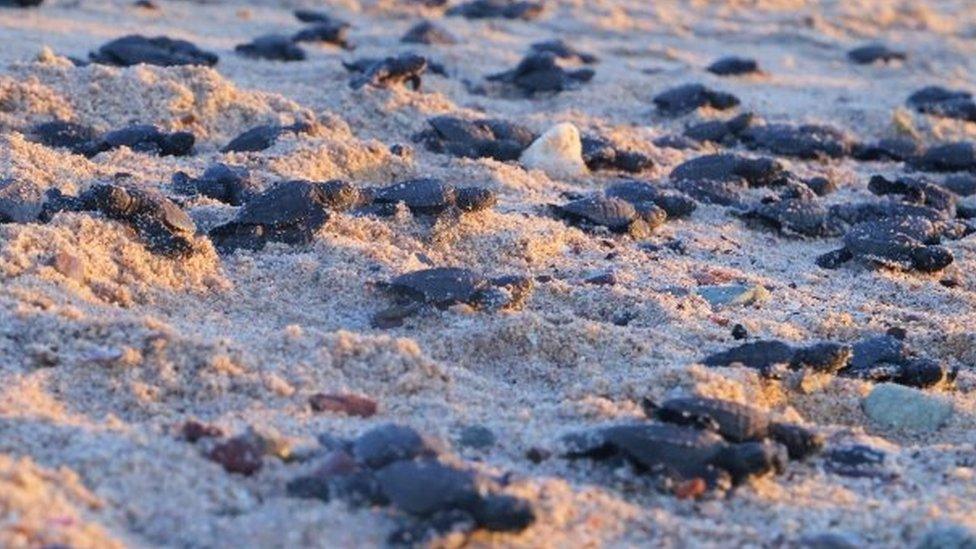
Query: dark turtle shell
{"points": [[287, 203], [424, 196], [735, 422], [656, 446], [892, 242], [613, 213], [442, 286]]}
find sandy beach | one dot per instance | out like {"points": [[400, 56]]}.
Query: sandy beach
{"points": [[107, 348]]}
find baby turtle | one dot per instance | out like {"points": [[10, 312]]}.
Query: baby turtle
{"points": [[767, 356], [328, 32], [690, 97], [916, 191], [291, 212], [443, 287], [725, 167], [63, 134], [725, 132], [540, 72], [679, 454], [888, 358], [273, 47], [808, 141], [394, 465], [136, 49], [872, 53], [802, 217], [145, 138], [427, 32], [601, 154], [428, 196], [907, 243], [733, 66], [161, 224], [383, 73], [617, 215], [894, 149], [489, 138], [675, 203], [490, 9], [562, 50], [735, 423], [314, 16], [229, 184], [260, 138], [950, 157], [939, 101]]}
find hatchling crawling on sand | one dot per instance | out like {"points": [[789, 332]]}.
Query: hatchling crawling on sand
{"points": [[290, 212], [906, 243], [735, 422], [615, 214], [427, 196], [443, 287], [165, 228], [690, 461]]}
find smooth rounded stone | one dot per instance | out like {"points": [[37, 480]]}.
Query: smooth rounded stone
{"points": [[563, 50], [389, 443], [808, 141], [733, 295], [428, 32], [690, 97], [948, 536], [406, 68], [476, 436], [344, 403], [488, 9], [540, 72], [872, 53], [904, 408], [162, 51], [240, 455], [332, 32], [273, 47], [558, 152], [425, 487], [950, 157], [733, 66]]}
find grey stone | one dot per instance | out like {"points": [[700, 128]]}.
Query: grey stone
{"points": [[904, 408], [948, 536], [733, 294]]}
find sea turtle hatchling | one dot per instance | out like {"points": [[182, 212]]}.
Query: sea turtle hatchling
{"points": [[615, 214], [678, 454], [428, 196], [907, 243], [735, 422], [291, 212], [165, 228], [443, 287]]}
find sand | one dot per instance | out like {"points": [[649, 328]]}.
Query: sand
{"points": [[105, 348]]}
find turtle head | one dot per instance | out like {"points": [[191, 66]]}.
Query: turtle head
{"points": [[750, 459], [930, 259]]}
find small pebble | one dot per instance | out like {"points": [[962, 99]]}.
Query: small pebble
{"points": [[904, 408], [558, 152], [345, 403]]}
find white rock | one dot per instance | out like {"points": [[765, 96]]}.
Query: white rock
{"points": [[558, 152]]}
